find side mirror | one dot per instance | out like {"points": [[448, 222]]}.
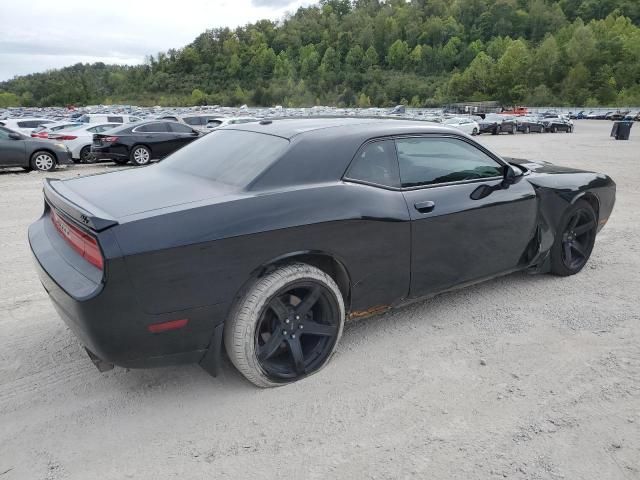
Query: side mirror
{"points": [[15, 136], [481, 192], [511, 176]]}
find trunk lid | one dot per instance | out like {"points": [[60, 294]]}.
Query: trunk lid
{"points": [[106, 198]]}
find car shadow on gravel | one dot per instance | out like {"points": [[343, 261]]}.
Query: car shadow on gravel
{"points": [[398, 322]]}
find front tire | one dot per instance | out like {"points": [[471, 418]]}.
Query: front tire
{"points": [[286, 326], [575, 238], [140, 155], [43, 161]]}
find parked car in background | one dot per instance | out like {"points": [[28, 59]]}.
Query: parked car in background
{"points": [[617, 116], [466, 124], [260, 240], [632, 116], [142, 142], [494, 124], [25, 125], [110, 118], [530, 124], [79, 139], [19, 150], [43, 131], [558, 124], [223, 122], [197, 121]]}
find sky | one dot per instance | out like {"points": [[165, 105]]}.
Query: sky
{"points": [[39, 35]]}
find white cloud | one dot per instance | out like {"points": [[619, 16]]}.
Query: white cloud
{"points": [[43, 34]]}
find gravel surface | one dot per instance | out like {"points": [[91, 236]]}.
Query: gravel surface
{"points": [[523, 377]]}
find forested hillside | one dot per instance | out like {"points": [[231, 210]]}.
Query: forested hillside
{"points": [[374, 53]]}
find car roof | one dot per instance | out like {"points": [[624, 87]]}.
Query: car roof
{"points": [[340, 127]]}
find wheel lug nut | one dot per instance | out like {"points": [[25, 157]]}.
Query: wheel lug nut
{"points": [[286, 321], [293, 336], [300, 326], [297, 317], [284, 333]]}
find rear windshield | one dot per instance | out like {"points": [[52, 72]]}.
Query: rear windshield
{"points": [[232, 157]]}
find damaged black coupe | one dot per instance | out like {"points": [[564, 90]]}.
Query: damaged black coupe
{"points": [[262, 239]]}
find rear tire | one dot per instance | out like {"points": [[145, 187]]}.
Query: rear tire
{"points": [[264, 333], [140, 155], [43, 161], [86, 156], [575, 238]]}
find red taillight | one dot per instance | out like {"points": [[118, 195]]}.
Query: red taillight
{"points": [[166, 326], [110, 139], [84, 244], [39, 134], [59, 136]]}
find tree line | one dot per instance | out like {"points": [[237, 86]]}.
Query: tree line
{"points": [[379, 53]]}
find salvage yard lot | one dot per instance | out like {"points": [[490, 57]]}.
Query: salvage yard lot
{"points": [[523, 377]]}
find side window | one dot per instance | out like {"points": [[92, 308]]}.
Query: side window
{"points": [[133, 119], [153, 128], [94, 129], [179, 128], [376, 163], [195, 121], [115, 119], [429, 161], [213, 123], [4, 134]]}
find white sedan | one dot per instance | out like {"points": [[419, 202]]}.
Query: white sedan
{"points": [[467, 125], [79, 139]]}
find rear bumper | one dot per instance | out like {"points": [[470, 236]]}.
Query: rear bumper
{"points": [[105, 315], [64, 157]]}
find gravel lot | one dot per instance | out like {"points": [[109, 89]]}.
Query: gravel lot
{"points": [[523, 377]]}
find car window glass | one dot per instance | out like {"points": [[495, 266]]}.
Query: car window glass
{"points": [[170, 118], [4, 134], [94, 129], [213, 123], [195, 121], [158, 127], [428, 161], [228, 156], [115, 119], [179, 128], [376, 163]]}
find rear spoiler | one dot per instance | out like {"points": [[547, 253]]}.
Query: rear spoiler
{"points": [[68, 202]]}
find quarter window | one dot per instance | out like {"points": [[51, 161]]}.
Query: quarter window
{"points": [[429, 161], [376, 163], [115, 119]]}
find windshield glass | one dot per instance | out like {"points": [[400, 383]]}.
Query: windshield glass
{"points": [[232, 157]]}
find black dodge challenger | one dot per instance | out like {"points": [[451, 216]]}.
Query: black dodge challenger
{"points": [[262, 239]]}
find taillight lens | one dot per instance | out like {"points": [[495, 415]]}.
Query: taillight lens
{"points": [[110, 139], [84, 244], [59, 136]]}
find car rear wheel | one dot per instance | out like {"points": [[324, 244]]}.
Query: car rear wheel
{"points": [[43, 161], [140, 155], [574, 240], [86, 156], [286, 326]]}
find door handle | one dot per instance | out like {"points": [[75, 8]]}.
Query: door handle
{"points": [[425, 207]]}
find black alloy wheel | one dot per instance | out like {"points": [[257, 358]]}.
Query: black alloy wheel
{"points": [[297, 331], [575, 240]]}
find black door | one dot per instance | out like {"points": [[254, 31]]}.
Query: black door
{"points": [[12, 151], [454, 239], [183, 135], [157, 136]]}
